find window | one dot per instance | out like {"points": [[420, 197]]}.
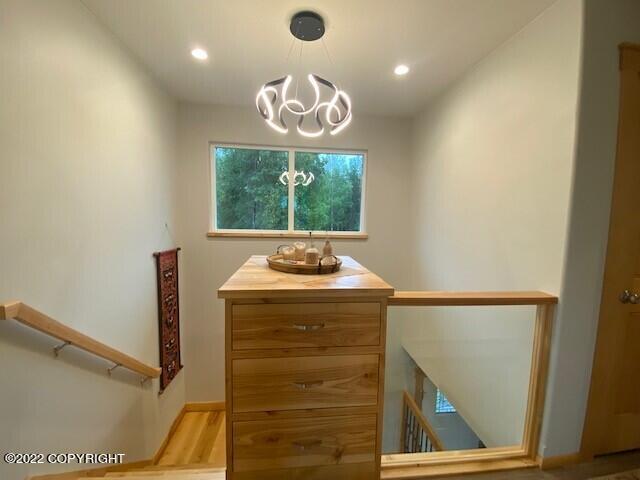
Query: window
{"points": [[248, 193], [254, 191], [442, 404]]}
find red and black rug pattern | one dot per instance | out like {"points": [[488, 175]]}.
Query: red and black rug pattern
{"points": [[168, 315]]}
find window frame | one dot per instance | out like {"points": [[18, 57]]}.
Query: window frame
{"points": [[214, 231]]}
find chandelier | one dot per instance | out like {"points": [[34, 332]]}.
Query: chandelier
{"points": [[331, 106], [299, 178]]}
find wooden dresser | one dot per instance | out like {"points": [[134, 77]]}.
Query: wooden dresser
{"points": [[304, 373]]}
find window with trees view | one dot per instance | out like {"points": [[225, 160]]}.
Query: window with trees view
{"points": [[287, 190]]}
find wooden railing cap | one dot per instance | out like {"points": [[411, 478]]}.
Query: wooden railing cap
{"points": [[9, 310], [436, 298]]}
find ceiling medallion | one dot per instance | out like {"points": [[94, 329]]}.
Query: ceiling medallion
{"points": [[331, 107]]}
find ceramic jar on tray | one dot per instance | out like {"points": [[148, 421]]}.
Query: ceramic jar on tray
{"points": [[302, 259]]}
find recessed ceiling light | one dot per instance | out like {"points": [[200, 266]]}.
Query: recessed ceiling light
{"points": [[199, 53], [401, 70]]}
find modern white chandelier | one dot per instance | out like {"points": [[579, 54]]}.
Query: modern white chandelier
{"points": [[299, 178], [331, 107]]}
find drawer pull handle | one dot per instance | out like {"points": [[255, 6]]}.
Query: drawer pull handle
{"points": [[306, 445], [308, 385], [308, 327]]}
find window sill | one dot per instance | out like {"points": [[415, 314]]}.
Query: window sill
{"points": [[302, 235]]}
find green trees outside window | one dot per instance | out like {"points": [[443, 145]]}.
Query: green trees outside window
{"points": [[332, 201], [248, 193], [251, 192]]}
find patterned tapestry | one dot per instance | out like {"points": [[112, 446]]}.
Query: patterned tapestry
{"points": [[168, 315]]}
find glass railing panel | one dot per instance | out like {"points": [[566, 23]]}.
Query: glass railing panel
{"points": [[467, 370]]}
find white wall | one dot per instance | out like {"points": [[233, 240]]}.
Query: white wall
{"points": [[607, 24], [209, 262], [480, 357], [400, 376], [87, 157], [493, 159], [451, 428]]}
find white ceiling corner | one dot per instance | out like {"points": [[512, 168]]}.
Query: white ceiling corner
{"points": [[248, 42]]}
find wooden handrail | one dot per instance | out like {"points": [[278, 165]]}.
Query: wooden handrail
{"points": [[41, 322], [424, 424], [428, 298]]}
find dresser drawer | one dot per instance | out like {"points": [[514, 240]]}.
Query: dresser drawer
{"points": [[305, 325], [303, 442], [346, 471], [295, 383]]}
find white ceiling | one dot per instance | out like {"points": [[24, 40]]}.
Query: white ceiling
{"points": [[248, 42]]}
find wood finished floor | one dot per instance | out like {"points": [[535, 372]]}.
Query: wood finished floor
{"points": [[601, 466], [199, 439]]}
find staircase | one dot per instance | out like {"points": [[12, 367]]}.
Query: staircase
{"points": [[417, 434], [176, 472], [195, 451]]}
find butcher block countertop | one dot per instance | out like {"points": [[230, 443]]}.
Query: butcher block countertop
{"points": [[256, 280]]}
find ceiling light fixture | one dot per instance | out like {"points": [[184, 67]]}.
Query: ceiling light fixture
{"points": [[401, 70], [306, 178], [199, 54], [275, 104]]}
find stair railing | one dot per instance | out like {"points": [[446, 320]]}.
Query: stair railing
{"points": [[417, 434], [39, 321]]}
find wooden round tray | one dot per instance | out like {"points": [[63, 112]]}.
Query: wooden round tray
{"points": [[277, 262]]}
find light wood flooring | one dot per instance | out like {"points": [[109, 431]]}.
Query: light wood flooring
{"points": [[199, 439], [196, 451], [199, 443], [601, 466]]}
